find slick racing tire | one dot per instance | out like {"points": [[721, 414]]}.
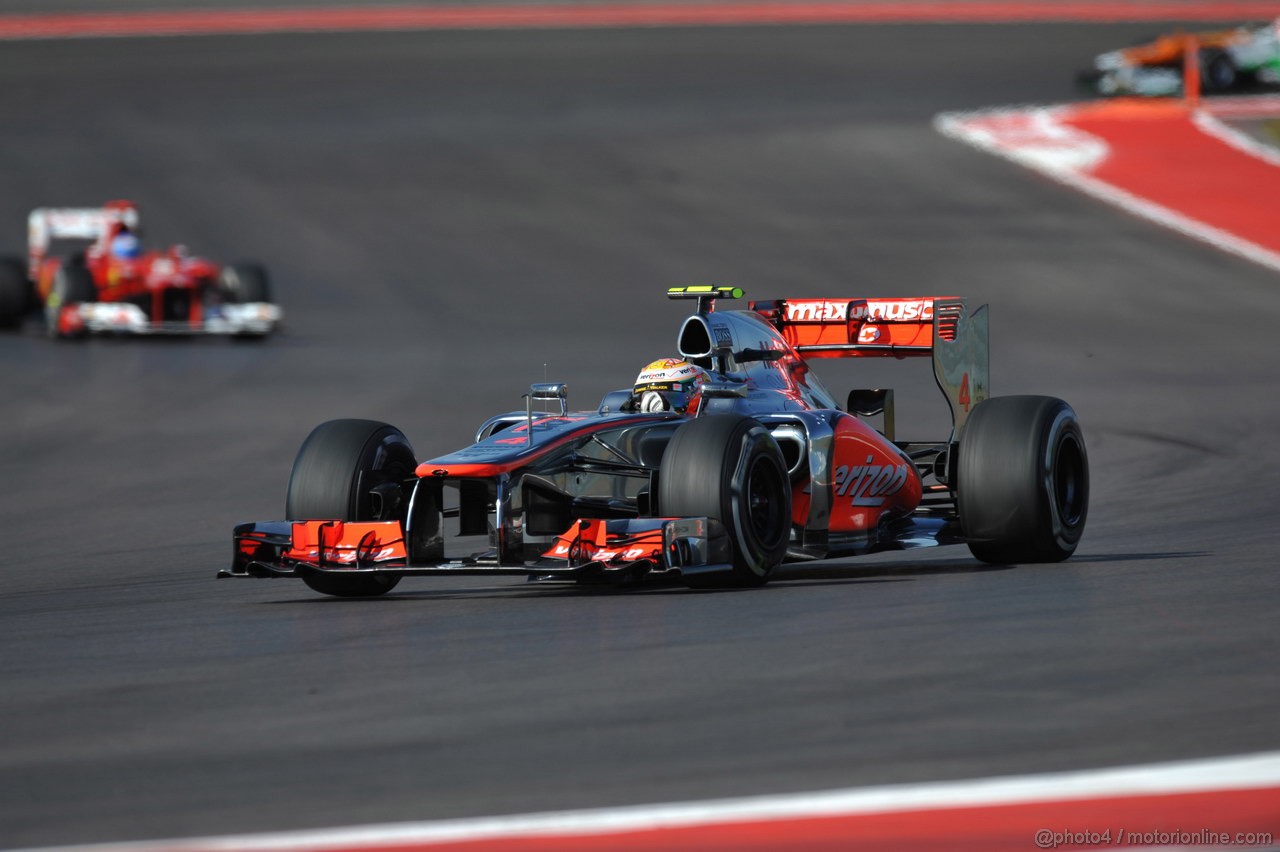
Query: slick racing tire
{"points": [[242, 284], [15, 292], [1022, 480], [1218, 73], [72, 285], [728, 467], [350, 470]]}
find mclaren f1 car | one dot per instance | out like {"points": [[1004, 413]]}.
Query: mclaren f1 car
{"points": [[712, 470], [86, 269]]}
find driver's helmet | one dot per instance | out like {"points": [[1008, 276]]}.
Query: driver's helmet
{"points": [[669, 384], [125, 245]]}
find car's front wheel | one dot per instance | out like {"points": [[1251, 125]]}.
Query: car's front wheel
{"points": [[729, 468], [350, 470]]}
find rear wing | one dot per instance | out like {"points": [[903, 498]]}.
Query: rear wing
{"points": [[936, 326], [46, 224]]}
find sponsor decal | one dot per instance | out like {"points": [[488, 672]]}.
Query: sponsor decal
{"points": [[898, 310], [869, 484], [817, 310], [347, 557], [666, 375], [629, 555], [869, 334], [724, 337], [877, 310]]}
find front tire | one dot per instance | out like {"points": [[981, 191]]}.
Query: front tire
{"points": [[350, 470], [729, 468], [1023, 480], [242, 284]]}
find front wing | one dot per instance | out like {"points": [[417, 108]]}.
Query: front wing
{"points": [[621, 548], [251, 318]]}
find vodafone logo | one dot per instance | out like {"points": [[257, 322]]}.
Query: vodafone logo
{"points": [[898, 310]]}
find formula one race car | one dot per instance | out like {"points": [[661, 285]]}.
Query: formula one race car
{"points": [[106, 283], [1228, 60], [713, 469]]}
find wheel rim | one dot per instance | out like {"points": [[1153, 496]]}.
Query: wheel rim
{"points": [[1069, 481], [394, 460], [764, 510], [1221, 74]]}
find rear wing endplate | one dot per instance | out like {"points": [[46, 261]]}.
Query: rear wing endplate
{"points": [[937, 326], [46, 224]]}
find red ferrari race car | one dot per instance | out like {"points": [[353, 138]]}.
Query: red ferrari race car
{"points": [[713, 468], [104, 282]]}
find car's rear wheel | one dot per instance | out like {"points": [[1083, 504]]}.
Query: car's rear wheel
{"points": [[729, 468], [72, 285], [1023, 480], [15, 292], [350, 470]]}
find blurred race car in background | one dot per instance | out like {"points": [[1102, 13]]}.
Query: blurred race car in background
{"points": [[712, 468], [1229, 60], [86, 268]]}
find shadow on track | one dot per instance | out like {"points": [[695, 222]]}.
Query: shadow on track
{"points": [[799, 575]]}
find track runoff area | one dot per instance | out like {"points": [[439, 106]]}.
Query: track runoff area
{"points": [[1176, 162]]}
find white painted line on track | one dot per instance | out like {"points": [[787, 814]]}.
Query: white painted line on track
{"points": [[960, 126], [1208, 123], [1241, 773]]}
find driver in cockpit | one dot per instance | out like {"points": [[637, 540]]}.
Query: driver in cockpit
{"points": [[669, 384]]}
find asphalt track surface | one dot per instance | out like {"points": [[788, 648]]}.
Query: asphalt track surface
{"points": [[447, 213]]}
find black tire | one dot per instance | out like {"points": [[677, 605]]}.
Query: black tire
{"points": [[1218, 73], [1023, 480], [72, 285], [350, 470], [15, 292], [242, 283], [728, 467]]}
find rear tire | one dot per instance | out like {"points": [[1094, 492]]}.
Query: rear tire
{"points": [[15, 292], [1023, 480], [728, 467], [350, 470], [72, 285]]}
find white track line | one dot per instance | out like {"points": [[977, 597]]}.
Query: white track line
{"points": [[1209, 124], [954, 126], [1248, 772]]}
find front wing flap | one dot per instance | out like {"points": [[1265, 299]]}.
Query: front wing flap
{"points": [[657, 545], [253, 318]]}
